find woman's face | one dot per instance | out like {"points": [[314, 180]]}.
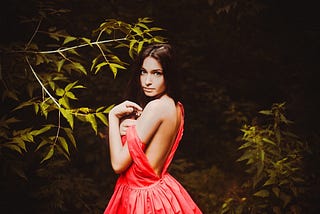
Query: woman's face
{"points": [[151, 77]]}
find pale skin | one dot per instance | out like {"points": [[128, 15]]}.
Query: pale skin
{"points": [[156, 127]]}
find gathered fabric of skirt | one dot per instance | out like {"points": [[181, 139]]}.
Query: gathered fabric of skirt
{"points": [[139, 190]]}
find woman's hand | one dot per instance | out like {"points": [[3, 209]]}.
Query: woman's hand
{"points": [[125, 108], [125, 124]]}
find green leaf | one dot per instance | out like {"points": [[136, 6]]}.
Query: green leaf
{"points": [[103, 118], [262, 193], [117, 65], [49, 154], [13, 147], [60, 92], [64, 144], [137, 30], [100, 108], [88, 41], [69, 133], [99, 66], [145, 20], [268, 141], [266, 112], [114, 70], [71, 95], [245, 145], [43, 143], [131, 48], [70, 86], [108, 109], [68, 115], [140, 45], [20, 142], [68, 39], [94, 62], [60, 64], [79, 67], [156, 29], [247, 155], [64, 101], [54, 36], [142, 25], [40, 131], [92, 120]]}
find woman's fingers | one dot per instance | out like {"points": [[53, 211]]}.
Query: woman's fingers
{"points": [[126, 108], [133, 105]]}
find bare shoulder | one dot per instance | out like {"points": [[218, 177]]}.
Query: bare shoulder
{"points": [[163, 106]]}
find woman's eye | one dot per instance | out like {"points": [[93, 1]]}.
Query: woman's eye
{"points": [[157, 73], [143, 72]]}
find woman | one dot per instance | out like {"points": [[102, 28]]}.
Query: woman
{"points": [[142, 155]]}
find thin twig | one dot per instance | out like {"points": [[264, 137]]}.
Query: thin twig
{"points": [[73, 47], [34, 34], [43, 87]]}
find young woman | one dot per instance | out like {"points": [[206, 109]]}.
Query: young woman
{"points": [[144, 134]]}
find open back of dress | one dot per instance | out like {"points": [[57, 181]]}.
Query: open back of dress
{"points": [[139, 190]]}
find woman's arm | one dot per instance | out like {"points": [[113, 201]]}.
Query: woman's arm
{"points": [[119, 154], [150, 120]]}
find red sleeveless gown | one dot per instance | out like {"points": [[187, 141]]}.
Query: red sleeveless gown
{"points": [[139, 190]]}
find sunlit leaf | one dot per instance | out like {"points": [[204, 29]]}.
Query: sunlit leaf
{"points": [[60, 92], [145, 20], [92, 120], [64, 144], [69, 133], [71, 95], [68, 115], [49, 154], [266, 112], [42, 143], [131, 48], [64, 101], [70, 86], [68, 39], [60, 64], [88, 41], [142, 25], [79, 67], [114, 70], [99, 66], [156, 29], [102, 117], [107, 110], [13, 147], [269, 141], [40, 131], [140, 45]]}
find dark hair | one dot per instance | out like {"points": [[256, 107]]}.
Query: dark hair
{"points": [[164, 54]]}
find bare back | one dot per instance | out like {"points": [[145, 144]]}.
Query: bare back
{"points": [[163, 133]]}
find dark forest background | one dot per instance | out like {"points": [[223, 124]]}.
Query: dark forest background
{"points": [[236, 58]]}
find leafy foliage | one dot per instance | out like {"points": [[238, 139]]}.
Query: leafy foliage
{"points": [[50, 81], [274, 160]]}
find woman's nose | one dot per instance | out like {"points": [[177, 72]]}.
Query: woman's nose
{"points": [[148, 80]]}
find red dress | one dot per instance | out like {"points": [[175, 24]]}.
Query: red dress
{"points": [[139, 190]]}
